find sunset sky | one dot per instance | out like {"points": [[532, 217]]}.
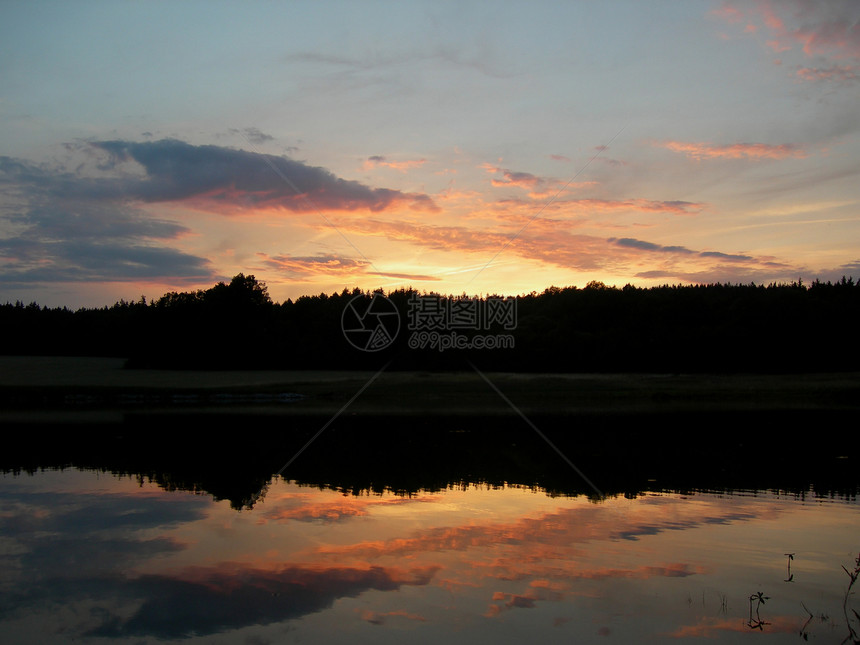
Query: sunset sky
{"points": [[477, 147]]}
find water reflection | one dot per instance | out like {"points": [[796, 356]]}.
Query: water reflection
{"points": [[89, 556]]}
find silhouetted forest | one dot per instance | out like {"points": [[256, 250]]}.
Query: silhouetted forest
{"points": [[718, 327], [407, 455]]}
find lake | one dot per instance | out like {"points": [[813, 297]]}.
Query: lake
{"points": [[91, 556], [143, 507]]}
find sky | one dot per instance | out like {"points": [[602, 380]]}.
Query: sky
{"points": [[451, 147]]}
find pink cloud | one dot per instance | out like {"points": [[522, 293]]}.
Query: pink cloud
{"points": [[838, 73], [735, 150], [827, 29], [729, 13]]}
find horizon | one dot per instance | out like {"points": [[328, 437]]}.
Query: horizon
{"points": [[795, 284], [447, 148]]}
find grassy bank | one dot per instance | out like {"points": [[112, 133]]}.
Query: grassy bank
{"points": [[69, 387]]}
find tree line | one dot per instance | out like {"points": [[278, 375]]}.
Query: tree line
{"points": [[680, 328]]}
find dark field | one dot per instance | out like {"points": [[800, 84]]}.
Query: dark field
{"points": [[68, 389]]}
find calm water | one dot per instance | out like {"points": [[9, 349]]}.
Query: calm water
{"points": [[92, 557]]}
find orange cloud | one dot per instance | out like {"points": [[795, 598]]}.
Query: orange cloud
{"points": [[545, 590], [735, 150], [334, 510], [332, 266], [711, 627], [550, 536], [550, 242], [402, 166], [557, 247]]}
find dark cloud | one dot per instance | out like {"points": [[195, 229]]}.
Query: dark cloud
{"points": [[28, 259], [79, 223], [726, 274], [847, 270], [64, 226], [729, 268], [63, 548], [65, 534], [58, 241], [88, 221], [209, 600], [648, 246], [254, 135], [726, 256], [218, 176]]}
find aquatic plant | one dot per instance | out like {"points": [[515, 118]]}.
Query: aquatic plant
{"points": [[790, 575], [853, 575], [757, 599]]}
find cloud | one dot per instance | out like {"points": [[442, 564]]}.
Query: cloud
{"points": [[73, 226], [332, 266], [93, 262], [76, 551], [63, 532], [726, 256], [698, 267], [379, 618], [547, 536], [710, 628], [226, 180], [212, 599], [827, 31], [677, 207], [538, 187], [254, 135], [542, 240], [545, 590], [302, 508], [725, 274], [88, 223], [649, 246], [60, 241], [555, 246], [402, 166], [849, 269], [524, 180], [755, 151], [837, 73], [208, 601]]}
